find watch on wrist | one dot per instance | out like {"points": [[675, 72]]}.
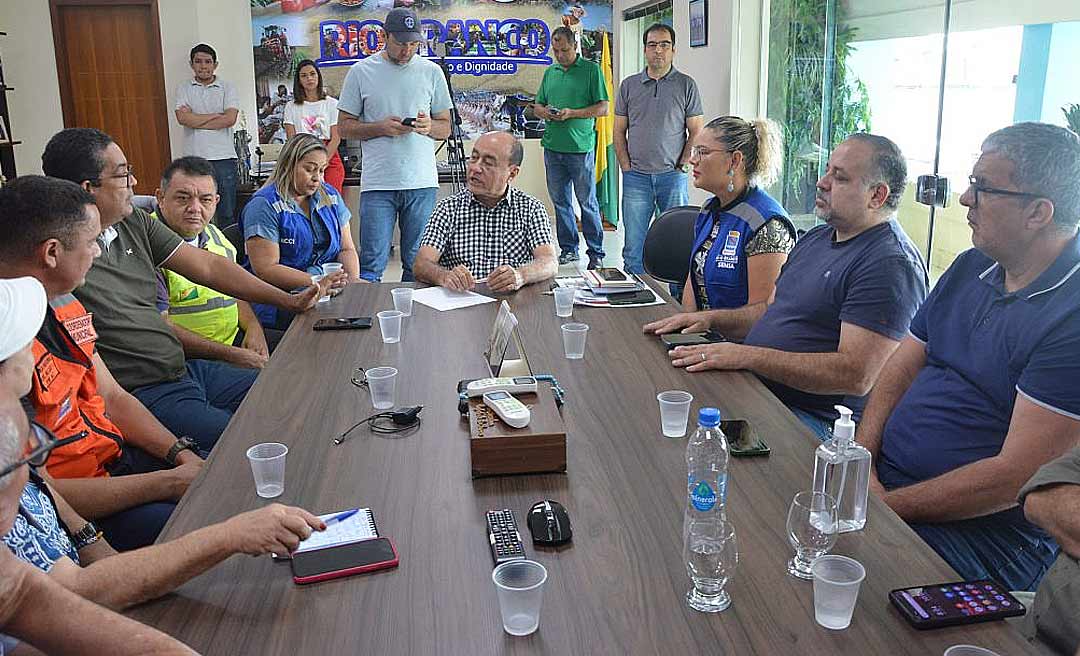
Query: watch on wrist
{"points": [[184, 443], [686, 167], [85, 536]]}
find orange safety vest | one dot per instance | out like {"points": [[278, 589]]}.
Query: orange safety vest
{"points": [[65, 393]]}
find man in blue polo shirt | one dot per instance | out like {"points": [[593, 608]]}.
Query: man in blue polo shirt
{"points": [[843, 300], [983, 391]]}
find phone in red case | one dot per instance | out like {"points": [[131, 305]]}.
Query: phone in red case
{"points": [[343, 560]]}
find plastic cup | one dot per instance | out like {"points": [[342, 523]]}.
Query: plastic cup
{"points": [[403, 300], [268, 466], [836, 587], [330, 268], [573, 338], [315, 280], [564, 301], [390, 325], [674, 412], [520, 584], [381, 384], [969, 650]]}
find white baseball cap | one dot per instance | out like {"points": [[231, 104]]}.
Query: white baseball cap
{"points": [[22, 309]]}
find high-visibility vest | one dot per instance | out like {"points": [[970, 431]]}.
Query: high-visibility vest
{"points": [[198, 308], [65, 394]]}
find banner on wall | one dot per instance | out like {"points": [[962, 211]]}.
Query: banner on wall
{"points": [[496, 51]]}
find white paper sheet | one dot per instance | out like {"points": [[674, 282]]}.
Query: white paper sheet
{"points": [[354, 529], [442, 299]]}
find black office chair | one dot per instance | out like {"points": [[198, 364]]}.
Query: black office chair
{"points": [[667, 244], [233, 234]]}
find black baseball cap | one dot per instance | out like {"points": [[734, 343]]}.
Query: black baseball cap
{"points": [[403, 24]]}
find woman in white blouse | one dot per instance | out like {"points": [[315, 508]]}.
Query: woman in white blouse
{"points": [[315, 113]]}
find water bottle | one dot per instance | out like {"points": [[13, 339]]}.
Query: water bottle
{"points": [[706, 469]]}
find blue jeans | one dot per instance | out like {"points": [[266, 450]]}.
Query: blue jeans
{"points": [[822, 429], [200, 404], [645, 195], [411, 208], [140, 525], [577, 170], [993, 547], [226, 178]]}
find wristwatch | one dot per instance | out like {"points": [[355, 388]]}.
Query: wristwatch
{"points": [[686, 167], [86, 536], [181, 444]]}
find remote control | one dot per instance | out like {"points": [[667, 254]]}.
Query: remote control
{"points": [[509, 409], [503, 536], [517, 385]]}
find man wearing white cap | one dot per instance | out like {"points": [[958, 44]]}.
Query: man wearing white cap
{"points": [[17, 331]]}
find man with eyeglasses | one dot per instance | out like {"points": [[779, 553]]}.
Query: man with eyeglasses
{"points": [[398, 104], [491, 232], [983, 391], [657, 115], [192, 398]]}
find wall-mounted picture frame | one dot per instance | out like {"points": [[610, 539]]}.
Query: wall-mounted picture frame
{"points": [[699, 23]]}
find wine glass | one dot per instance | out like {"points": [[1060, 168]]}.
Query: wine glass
{"points": [[812, 528], [711, 554]]}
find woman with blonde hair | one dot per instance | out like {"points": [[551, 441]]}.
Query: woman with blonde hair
{"points": [[742, 236], [295, 224]]}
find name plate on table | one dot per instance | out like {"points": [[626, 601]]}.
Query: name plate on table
{"points": [[497, 449]]}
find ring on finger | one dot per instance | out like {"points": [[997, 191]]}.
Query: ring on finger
{"points": [[703, 358]]}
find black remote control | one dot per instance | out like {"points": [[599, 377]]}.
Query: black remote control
{"points": [[503, 536]]}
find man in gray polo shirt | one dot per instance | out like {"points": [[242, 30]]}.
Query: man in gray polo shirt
{"points": [[657, 114], [207, 107]]}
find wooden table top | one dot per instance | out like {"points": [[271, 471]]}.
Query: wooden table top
{"points": [[617, 588]]}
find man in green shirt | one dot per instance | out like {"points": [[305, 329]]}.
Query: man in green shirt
{"points": [[194, 398], [571, 97]]}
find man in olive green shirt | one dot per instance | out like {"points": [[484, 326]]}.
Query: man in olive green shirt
{"points": [[571, 97]]}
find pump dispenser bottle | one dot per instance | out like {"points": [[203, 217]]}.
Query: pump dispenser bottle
{"points": [[842, 469]]}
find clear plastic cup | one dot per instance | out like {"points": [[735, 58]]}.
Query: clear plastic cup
{"points": [[674, 412], [330, 268], [969, 650], [315, 280], [268, 466], [520, 584], [836, 587], [381, 384], [390, 325], [403, 300], [573, 337], [564, 301]]}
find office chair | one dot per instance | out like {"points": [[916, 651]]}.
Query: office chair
{"points": [[146, 203], [233, 234], [666, 254]]}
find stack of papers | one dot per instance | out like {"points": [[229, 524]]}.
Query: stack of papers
{"points": [[610, 280], [586, 296]]}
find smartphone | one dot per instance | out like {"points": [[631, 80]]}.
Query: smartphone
{"points": [[611, 274], [343, 323], [554, 110], [960, 602], [743, 439], [671, 340], [409, 122], [344, 560]]}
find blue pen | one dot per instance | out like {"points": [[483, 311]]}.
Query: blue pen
{"points": [[342, 516]]}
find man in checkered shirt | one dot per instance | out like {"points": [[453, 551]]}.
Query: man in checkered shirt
{"points": [[491, 230]]}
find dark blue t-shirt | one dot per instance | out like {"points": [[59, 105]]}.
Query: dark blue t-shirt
{"points": [[983, 345], [875, 280]]}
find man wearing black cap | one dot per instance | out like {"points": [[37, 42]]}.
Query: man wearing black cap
{"points": [[398, 104]]}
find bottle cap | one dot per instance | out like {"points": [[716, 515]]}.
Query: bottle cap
{"points": [[708, 417], [844, 428]]}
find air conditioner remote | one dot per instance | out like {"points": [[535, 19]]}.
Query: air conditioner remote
{"points": [[516, 385], [509, 409]]}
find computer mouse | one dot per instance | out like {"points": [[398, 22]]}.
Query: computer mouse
{"points": [[549, 523]]}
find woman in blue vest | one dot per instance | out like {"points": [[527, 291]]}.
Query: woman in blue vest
{"points": [[742, 236], [295, 224]]}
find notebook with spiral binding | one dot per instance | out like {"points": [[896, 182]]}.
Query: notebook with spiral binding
{"points": [[360, 526]]}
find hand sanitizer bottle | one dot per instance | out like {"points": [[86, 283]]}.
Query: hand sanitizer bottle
{"points": [[842, 469]]}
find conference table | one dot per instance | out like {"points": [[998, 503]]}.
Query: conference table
{"points": [[618, 587]]}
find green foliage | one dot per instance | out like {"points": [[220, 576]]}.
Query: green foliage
{"points": [[796, 91], [1072, 115]]}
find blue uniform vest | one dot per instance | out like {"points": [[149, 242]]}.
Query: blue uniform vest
{"points": [[296, 239], [725, 267]]}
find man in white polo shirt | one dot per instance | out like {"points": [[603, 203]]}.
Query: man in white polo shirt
{"points": [[207, 107]]}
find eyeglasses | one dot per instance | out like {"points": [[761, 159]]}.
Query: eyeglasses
{"points": [[700, 151], [42, 442], [661, 45], [128, 175], [977, 189]]}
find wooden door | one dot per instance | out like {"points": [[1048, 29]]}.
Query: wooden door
{"points": [[108, 56]]}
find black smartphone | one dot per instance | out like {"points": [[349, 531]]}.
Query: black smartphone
{"points": [[959, 602], [343, 560], [409, 122], [343, 323], [671, 340], [631, 298], [742, 439], [611, 273]]}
